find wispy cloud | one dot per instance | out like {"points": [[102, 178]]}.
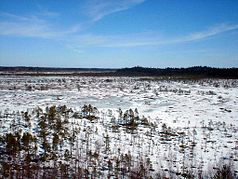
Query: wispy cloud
{"points": [[16, 18], [26, 26], [47, 13], [97, 9], [31, 26], [212, 31], [24, 30], [39, 25], [35, 26], [43, 11], [148, 39]]}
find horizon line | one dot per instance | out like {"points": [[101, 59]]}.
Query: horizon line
{"points": [[114, 68]]}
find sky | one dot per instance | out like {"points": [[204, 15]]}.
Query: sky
{"points": [[119, 33]]}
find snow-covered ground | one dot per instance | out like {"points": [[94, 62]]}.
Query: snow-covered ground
{"points": [[199, 117]]}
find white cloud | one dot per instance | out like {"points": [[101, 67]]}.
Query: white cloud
{"points": [[47, 13], [148, 39], [30, 26], [215, 30], [38, 25], [34, 26], [12, 17], [75, 48], [97, 9], [24, 29]]}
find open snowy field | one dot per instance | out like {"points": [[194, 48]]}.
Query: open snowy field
{"points": [[180, 127]]}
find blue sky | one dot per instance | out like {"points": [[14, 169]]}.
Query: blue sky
{"points": [[119, 33]]}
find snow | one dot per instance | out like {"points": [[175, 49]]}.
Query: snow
{"points": [[201, 111]]}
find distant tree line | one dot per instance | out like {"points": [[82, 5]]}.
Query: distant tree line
{"points": [[51, 69], [197, 71], [191, 72]]}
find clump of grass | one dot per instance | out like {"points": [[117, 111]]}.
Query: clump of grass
{"points": [[224, 172]]}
